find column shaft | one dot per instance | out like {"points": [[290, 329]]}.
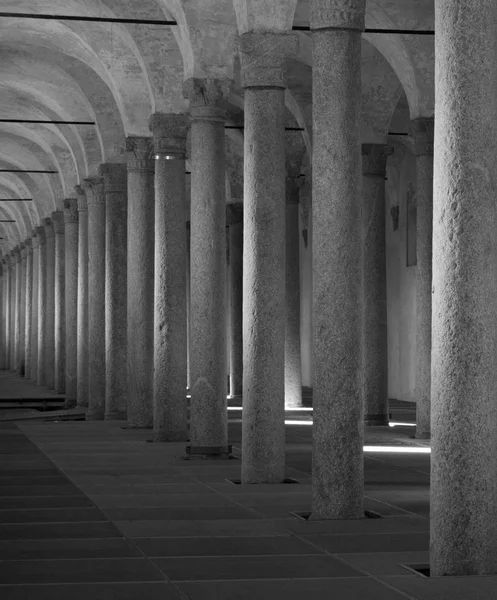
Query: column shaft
{"points": [[140, 282], [338, 432], [374, 380], [28, 316], [60, 304], [96, 299], [34, 307], [22, 314], [82, 319], [236, 299], [12, 312], [49, 350], [71, 299], [2, 315], [116, 206], [41, 378], [208, 414], [17, 308], [463, 499], [170, 336]]}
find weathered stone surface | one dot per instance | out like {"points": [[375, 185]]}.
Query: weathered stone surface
{"points": [[422, 133], [374, 370], [170, 336], [236, 297], [337, 14], [41, 377], [208, 361], [94, 188], [28, 309], [21, 361], [34, 309], [463, 499], [49, 349], [116, 288], [60, 304], [71, 222], [82, 318], [337, 476], [140, 308]]}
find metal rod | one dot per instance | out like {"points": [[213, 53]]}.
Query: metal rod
{"points": [[7, 221], [24, 171], [48, 122], [382, 31], [16, 199], [396, 133], [49, 17]]}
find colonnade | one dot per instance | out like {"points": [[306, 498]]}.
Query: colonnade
{"points": [[95, 304]]}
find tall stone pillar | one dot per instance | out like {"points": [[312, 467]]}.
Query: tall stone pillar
{"points": [[188, 302], [35, 236], [21, 365], [140, 281], [60, 304], [28, 312], [463, 500], [374, 371], [263, 59], [50, 305], [293, 368], [17, 307], [116, 236], [41, 377], [422, 133], [71, 299], [235, 222], [14, 259], [208, 412], [94, 188], [8, 310], [170, 339], [82, 318], [338, 432], [2, 315]]}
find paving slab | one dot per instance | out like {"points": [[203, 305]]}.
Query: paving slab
{"points": [[85, 591]]}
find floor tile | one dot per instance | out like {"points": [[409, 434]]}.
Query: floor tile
{"points": [[67, 548], [160, 500], [178, 513], [254, 567], [386, 563], [35, 531], [51, 515], [33, 502], [38, 490], [87, 591], [445, 588], [382, 542]]}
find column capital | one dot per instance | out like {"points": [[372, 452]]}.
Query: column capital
{"points": [[169, 131], [71, 210], [115, 177], [374, 159], [23, 251], [422, 132], [39, 237], [58, 222], [338, 14], [29, 246], [139, 152], [81, 198], [207, 96], [49, 228], [293, 185], [263, 58], [94, 188]]}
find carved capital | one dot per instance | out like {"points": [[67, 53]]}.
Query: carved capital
{"points": [[115, 177], [58, 222], [422, 132], [29, 247], [49, 228], [81, 198], [94, 188], [139, 151], [39, 237], [15, 254], [71, 210], [374, 159], [293, 185], [263, 58], [169, 131], [23, 251], [338, 14], [207, 97]]}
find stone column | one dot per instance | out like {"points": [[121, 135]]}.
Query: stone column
{"points": [[116, 235], [8, 309], [140, 281], [71, 300], [293, 368], [188, 303], [374, 371], [263, 59], [170, 339], [60, 304], [82, 316], [338, 432], [41, 377], [2, 315], [94, 188], [35, 236], [463, 498], [28, 313], [22, 313], [235, 222], [208, 412], [17, 307], [50, 305], [422, 133], [14, 259]]}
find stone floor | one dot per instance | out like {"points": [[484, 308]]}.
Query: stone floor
{"points": [[92, 510]]}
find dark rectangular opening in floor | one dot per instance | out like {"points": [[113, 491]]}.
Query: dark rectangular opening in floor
{"points": [[239, 481], [420, 569], [304, 515]]}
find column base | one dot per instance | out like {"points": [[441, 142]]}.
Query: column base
{"points": [[422, 435], [116, 416], [95, 414], [380, 420], [69, 404], [171, 436]]}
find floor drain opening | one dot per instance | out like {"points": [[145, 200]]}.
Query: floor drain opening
{"points": [[371, 514], [421, 569], [305, 516], [239, 481]]}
